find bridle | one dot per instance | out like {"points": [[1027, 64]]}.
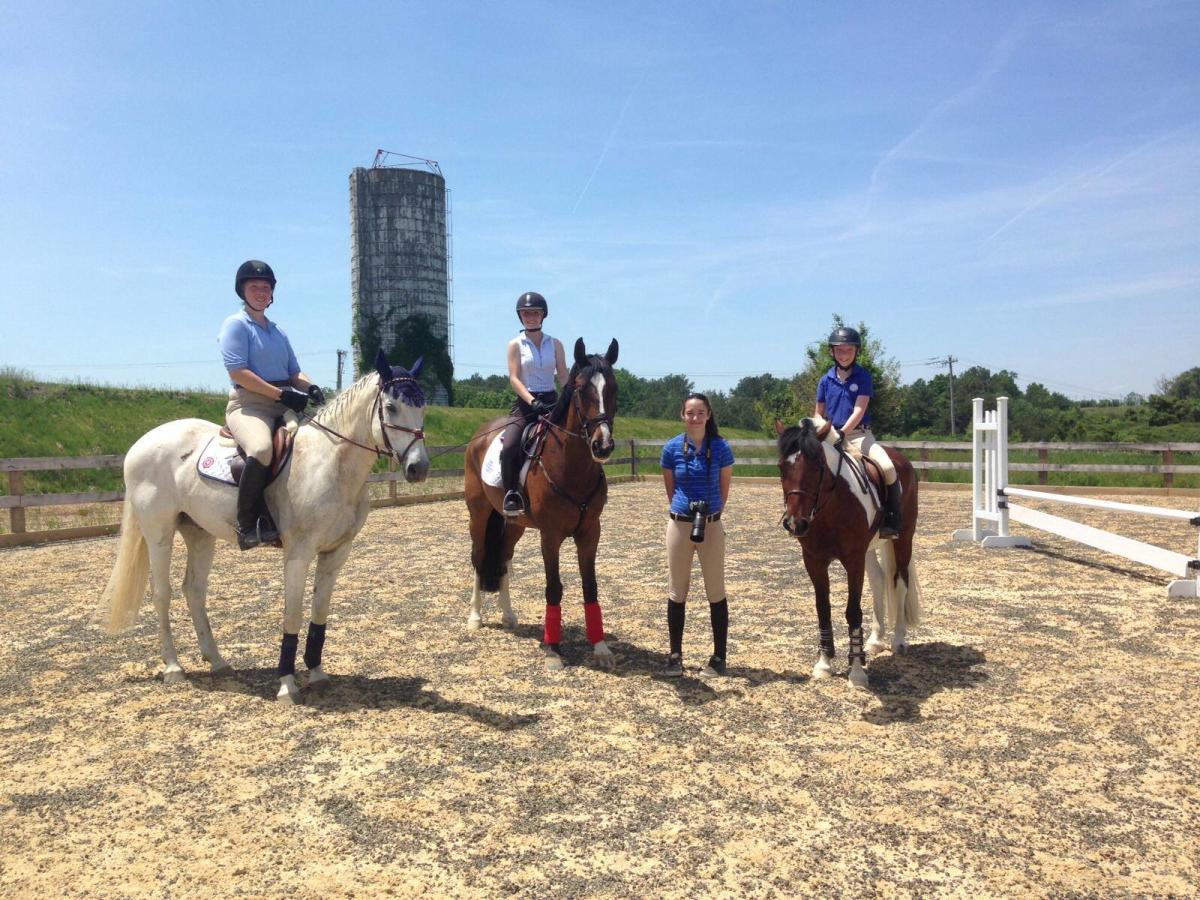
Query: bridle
{"points": [[817, 498], [418, 434], [586, 425]]}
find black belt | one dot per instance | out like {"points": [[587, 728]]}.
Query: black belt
{"points": [[679, 517]]}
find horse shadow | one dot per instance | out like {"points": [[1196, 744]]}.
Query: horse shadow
{"points": [[349, 693], [903, 682]]}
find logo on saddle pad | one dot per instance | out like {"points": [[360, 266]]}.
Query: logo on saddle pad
{"points": [[221, 460]]}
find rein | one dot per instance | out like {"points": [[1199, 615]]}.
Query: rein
{"points": [[585, 429], [418, 434], [816, 507]]}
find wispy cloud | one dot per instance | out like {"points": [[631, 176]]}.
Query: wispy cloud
{"points": [[1157, 285], [612, 134], [1081, 180], [996, 59]]}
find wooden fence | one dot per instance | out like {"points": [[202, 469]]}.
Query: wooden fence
{"points": [[639, 462]]}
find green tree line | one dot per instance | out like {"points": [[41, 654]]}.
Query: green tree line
{"points": [[919, 410]]}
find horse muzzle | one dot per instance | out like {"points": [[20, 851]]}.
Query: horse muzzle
{"points": [[797, 527], [602, 444], [416, 466]]}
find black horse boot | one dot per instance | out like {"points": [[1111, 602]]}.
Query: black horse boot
{"points": [[892, 520], [252, 529]]}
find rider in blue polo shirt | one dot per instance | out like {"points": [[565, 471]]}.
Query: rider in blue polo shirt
{"points": [[266, 381], [697, 469], [843, 394]]}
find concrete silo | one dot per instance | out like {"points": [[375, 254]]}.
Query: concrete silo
{"points": [[399, 246]]}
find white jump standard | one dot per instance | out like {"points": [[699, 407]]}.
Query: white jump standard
{"points": [[991, 509]]}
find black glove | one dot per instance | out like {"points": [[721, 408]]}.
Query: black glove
{"points": [[293, 399], [540, 407], [839, 440], [316, 395]]}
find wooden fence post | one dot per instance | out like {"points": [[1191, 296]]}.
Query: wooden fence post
{"points": [[1168, 478], [633, 459], [391, 481], [16, 515], [1044, 462], [923, 471]]}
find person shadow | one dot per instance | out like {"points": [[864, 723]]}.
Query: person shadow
{"points": [[349, 693], [902, 683]]}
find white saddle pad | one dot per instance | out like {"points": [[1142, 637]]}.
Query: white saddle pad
{"points": [[491, 464], [213, 462]]}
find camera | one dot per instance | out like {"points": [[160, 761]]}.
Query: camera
{"points": [[699, 512]]}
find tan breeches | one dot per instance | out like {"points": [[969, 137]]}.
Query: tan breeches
{"points": [[251, 418], [864, 443], [681, 550]]}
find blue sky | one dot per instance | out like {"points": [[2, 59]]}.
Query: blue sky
{"points": [[1016, 185]]}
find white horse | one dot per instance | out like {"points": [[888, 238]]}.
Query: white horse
{"points": [[319, 501]]}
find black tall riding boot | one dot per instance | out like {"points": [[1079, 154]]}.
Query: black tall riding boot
{"points": [[892, 522], [252, 529], [510, 471]]}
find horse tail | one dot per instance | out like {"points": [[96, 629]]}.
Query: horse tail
{"points": [[119, 605], [491, 569], [902, 592]]}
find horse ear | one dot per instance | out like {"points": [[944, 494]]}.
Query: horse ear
{"points": [[416, 367], [780, 428], [611, 353], [580, 353], [381, 365]]}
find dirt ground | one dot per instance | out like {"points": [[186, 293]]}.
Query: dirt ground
{"points": [[1040, 738]]}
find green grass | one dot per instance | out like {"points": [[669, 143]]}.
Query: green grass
{"points": [[42, 419]]}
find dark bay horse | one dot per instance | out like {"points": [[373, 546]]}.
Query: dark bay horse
{"points": [[828, 509], [566, 490]]}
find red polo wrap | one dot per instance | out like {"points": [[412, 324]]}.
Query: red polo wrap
{"points": [[594, 622], [553, 624]]}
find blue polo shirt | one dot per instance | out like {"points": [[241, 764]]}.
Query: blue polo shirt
{"points": [[696, 479], [839, 396], [266, 352]]}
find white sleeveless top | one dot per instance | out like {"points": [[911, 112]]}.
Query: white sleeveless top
{"points": [[537, 364]]}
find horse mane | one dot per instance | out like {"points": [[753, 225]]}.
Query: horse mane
{"points": [[334, 413], [596, 363], [800, 438]]}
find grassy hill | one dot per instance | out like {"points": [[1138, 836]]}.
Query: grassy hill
{"points": [[43, 419]]}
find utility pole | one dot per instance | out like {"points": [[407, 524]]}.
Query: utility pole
{"points": [[949, 362], [341, 364]]}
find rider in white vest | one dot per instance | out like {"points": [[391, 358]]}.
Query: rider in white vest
{"points": [[534, 359], [266, 380]]}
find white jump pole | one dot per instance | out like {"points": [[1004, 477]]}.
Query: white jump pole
{"points": [[990, 505]]}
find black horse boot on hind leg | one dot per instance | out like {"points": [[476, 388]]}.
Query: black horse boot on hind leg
{"points": [[252, 530], [892, 519]]}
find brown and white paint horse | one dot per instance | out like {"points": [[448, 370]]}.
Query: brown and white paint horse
{"points": [[830, 512], [566, 490]]}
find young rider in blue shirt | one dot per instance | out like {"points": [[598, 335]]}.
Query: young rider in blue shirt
{"points": [[843, 394], [534, 359], [697, 467], [266, 381]]}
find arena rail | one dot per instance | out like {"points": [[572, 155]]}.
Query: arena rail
{"points": [[991, 509], [640, 464]]}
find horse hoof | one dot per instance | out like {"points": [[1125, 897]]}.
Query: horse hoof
{"points": [[605, 659], [858, 679], [901, 648], [289, 694], [317, 678], [876, 646], [222, 669], [509, 622], [821, 671], [474, 623], [554, 662], [173, 676]]}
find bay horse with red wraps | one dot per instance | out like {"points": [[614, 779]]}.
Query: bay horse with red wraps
{"points": [[829, 508], [566, 491]]}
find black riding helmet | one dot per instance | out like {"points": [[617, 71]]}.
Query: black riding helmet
{"points": [[845, 336], [532, 300], [252, 268]]}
